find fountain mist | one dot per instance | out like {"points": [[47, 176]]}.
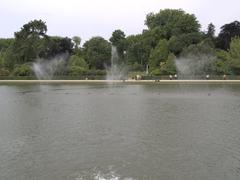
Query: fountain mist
{"points": [[195, 68], [46, 68], [117, 70]]}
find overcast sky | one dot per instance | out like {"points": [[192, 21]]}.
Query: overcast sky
{"points": [[87, 18]]}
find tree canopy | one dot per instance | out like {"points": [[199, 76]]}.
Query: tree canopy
{"points": [[228, 31], [171, 34], [172, 22], [97, 52]]}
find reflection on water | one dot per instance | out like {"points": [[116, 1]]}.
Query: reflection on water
{"points": [[120, 132]]}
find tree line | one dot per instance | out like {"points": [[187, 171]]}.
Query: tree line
{"points": [[170, 34]]}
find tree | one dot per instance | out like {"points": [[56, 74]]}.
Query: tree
{"points": [[159, 54], [77, 65], [75, 60], [169, 67], [222, 64], [138, 48], [211, 31], [5, 43], [233, 55], [2, 60], [118, 39], [66, 45], [172, 22], [55, 45], [29, 41], [228, 31], [97, 52], [77, 42], [178, 43]]}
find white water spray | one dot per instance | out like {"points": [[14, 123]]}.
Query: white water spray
{"points": [[195, 68], [46, 68], [117, 71]]}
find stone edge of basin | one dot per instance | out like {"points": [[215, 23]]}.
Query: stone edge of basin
{"points": [[120, 81]]}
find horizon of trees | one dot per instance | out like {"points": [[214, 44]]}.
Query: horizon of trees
{"points": [[170, 34]]}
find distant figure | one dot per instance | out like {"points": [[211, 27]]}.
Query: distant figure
{"points": [[86, 78], [224, 77], [175, 76], [207, 76], [170, 77], [138, 77]]}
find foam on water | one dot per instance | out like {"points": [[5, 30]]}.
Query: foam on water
{"points": [[101, 175]]}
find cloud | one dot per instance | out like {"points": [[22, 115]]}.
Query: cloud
{"points": [[88, 18]]}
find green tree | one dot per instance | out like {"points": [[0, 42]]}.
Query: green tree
{"points": [[135, 50], [77, 42], [5, 47], [77, 65], [197, 50], [5, 43], [2, 60], [55, 45], [75, 60], [172, 22], [233, 55], [118, 40], [117, 37], [29, 41], [211, 31], [97, 52], [228, 31], [169, 67], [159, 54], [178, 43], [222, 64]]}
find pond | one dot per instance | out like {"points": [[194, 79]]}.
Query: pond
{"points": [[104, 131]]}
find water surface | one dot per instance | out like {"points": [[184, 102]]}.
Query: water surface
{"points": [[74, 132]]}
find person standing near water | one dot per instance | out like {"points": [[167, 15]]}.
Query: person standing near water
{"points": [[224, 77], [175, 76], [207, 76]]}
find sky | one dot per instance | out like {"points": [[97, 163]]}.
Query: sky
{"points": [[88, 18]]}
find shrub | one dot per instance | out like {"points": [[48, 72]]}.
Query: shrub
{"points": [[22, 70], [4, 72], [76, 71], [77, 61], [137, 67], [156, 72]]}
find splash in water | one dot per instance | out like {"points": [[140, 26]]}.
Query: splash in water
{"points": [[97, 174]]}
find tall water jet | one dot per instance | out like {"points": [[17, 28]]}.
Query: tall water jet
{"points": [[46, 68], [117, 70]]}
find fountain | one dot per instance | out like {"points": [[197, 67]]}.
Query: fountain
{"points": [[116, 71], [195, 68], [45, 69]]}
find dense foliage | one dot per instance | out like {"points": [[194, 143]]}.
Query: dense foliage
{"points": [[171, 34]]}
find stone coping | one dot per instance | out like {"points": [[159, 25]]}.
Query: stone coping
{"points": [[120, 81]]}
